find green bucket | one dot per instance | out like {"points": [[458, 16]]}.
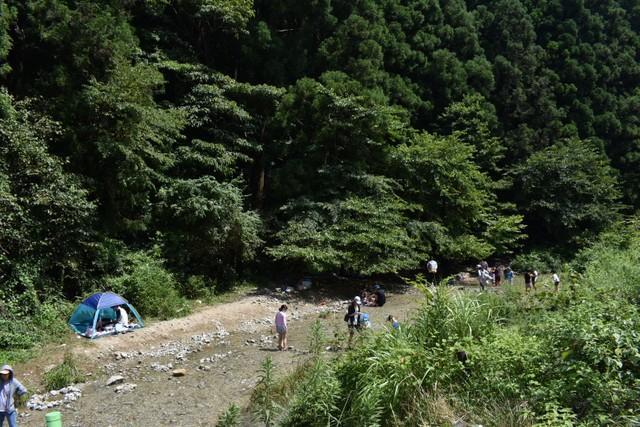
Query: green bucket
{"points": [[53, 419]]}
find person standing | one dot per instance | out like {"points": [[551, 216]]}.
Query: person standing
{"points": [[497, 276], [534, 277], [9, 386], [556, 281], [352, 316], [481, 278], [508, 275], [281, 327], [527, 281]]}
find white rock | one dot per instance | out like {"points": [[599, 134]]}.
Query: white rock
{"points": [[116, 379]]}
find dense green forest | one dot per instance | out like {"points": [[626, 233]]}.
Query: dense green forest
{"points": [[170, 149], [201, 142]]}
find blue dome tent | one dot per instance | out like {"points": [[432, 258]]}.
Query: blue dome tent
{"points": [[97, 309]]}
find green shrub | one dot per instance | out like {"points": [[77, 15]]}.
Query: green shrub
{"points": [[198, 287], [149, 287], [449, 317], [540, 358], [264, 407], [315, 397], [51, 317], [21, 329], [230, 417], [543, 261], [63, 375], [508, 364]]}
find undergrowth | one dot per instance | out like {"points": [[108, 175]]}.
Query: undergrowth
{"points": [[510, 358]]}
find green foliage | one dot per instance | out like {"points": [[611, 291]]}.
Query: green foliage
{"points": [[149, 286], [46, 227], [361, 235], [5, 40], [230, 417], [555, 416], [207, 231], [130, 141], [473, 121], [315, 398], [264, 407], [541, 358], [63, 375], [540, 260], [455, 196], [568, 192]]}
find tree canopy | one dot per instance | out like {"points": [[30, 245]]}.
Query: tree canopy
{"points": [[235, 137]]}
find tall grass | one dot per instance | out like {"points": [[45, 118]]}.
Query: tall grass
{"points": [[63, 375], [542, 358], [230, 417], [264, 406]]}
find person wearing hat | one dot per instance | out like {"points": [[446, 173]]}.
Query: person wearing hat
{"points": [[8, 387], [352, 316]]}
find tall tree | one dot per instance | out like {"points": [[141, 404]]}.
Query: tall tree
{"points": [[46, 225], [6, 17], [568, 192]]}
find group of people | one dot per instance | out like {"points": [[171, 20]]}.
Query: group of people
{"points": [[375, 298], [487, 276], [354, 317], [531, 276]]}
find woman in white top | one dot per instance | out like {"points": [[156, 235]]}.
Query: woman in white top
{"points": [[123, 317]]}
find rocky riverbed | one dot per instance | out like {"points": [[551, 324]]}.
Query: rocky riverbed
{"points": [[186, 372]]}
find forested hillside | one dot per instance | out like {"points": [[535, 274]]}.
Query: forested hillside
{"points": [[196, 142]]}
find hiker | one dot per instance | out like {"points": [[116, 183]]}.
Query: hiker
{"points": [[534, 277], [281, 327], [352, 315], [480, 276], [508, 275], [8, 387], [556, 281], [484, 277], [394, 323], [527, 281]]}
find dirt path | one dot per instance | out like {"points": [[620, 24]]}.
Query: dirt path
{"points": [[220, 348]]}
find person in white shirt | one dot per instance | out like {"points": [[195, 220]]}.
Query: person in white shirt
{"points": [[556, 281], [123, 317]]}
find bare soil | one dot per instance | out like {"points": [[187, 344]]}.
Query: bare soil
{"points": [[220, 348]]}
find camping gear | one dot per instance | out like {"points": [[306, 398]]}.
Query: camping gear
{"points": [[53, 419], [99, 310]]}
